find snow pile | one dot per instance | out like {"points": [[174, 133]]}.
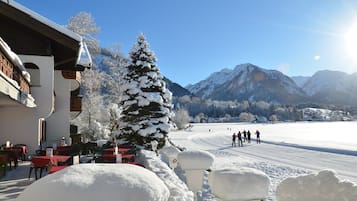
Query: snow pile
{"points": [[323, 186], [86, 182], [239, 183], [195, 159], [178, 189], [169, 155], [194, 164]]}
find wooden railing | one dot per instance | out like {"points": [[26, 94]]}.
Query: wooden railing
{"points": [[76, 104], [13, 72], [75, 75]]}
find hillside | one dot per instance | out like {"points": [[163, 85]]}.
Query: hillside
{"points": [[253, 83]]}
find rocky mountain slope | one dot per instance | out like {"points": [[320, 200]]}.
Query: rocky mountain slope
{"points": [[250, 82]]}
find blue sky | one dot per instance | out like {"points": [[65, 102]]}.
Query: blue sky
{"points": [[194, 38]]}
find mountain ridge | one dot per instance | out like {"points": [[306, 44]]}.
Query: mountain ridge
{"points": [[253, 83]]}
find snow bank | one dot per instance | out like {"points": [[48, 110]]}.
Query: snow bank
{"points": [[322, 186], [194, 164], [178, 189], [195, 159], [169, 155], [239, 184], [86, 182]]}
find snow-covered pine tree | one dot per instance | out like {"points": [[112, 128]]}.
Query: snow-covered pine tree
{"points": [[146, 101]]}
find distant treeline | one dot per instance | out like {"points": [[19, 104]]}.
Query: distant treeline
{"points": [[201, 110]]}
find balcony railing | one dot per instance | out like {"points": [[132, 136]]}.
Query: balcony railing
{"points": [[13, 72], [76, 104], [74, 76]]}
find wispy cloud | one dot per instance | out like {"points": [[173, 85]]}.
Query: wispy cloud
{"points": [[310, 30]]}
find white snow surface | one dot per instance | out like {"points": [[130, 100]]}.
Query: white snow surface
{"points": [[178, 189], [93, 182], [322, 186], [195, 159], [239, 183], [287, 149]]}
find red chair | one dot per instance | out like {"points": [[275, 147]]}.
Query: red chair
{"points": [[53, 169], [39, 163]]}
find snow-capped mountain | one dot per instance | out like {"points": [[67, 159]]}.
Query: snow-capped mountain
{"points": [[176, 89], [333, 87], [249, 82], [300, 80]]}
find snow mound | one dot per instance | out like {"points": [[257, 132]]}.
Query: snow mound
{"points": [[178, 189], [239, 183], [195, 159], [93, 182], [170, 151], [169, 155], [322, 186]]}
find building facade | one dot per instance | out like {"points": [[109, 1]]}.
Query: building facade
{"points": [[37, 111]]}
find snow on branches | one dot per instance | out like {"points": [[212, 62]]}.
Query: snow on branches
{"points": [[146, 100]]}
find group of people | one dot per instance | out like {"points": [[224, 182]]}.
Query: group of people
{"points": [[244, 136]]}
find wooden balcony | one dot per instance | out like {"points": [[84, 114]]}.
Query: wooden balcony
{"points": [[76, 104], [6, 66], [13, 72], [74, 76]]}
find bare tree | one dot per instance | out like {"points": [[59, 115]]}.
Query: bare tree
{"points": [[83, 24], [181, 118]]}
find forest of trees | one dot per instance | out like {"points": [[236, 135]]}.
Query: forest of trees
{"points": [[201, 110]]}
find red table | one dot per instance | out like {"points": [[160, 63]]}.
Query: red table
{"points": [[55, 159]]}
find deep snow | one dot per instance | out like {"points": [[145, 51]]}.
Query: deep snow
{"points": [[287, 149], [284, 153]]}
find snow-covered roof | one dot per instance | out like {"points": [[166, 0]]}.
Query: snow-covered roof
{"points": [[83, 57], [44, 20]]}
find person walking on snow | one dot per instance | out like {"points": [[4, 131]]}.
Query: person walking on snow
{"points": [[234, 140], [240, 142], [248, 133], [244, 135], [258, 136]]}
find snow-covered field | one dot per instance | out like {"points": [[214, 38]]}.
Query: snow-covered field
{"points": [[287, 149]]}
